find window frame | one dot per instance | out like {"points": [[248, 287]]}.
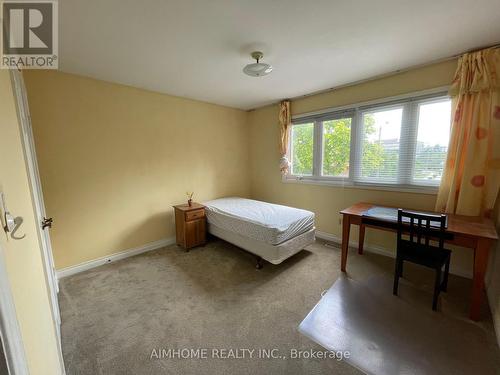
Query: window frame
{"points": [[337, 116], [290, 147], [410, 103], [416, 114]]}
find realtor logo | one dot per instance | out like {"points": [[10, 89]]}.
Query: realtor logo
{"points": [[29, 35]]}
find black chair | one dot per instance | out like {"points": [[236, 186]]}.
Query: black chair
{"points": [[418, 228]]}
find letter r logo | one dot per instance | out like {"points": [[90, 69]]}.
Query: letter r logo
{"points": [[27, 28]]}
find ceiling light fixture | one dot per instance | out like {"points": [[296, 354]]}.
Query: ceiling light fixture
{"points": [[257, 69]]}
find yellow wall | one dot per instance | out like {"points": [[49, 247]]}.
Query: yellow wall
{"points": [[114, 159], [327, 201], [23, 258]]}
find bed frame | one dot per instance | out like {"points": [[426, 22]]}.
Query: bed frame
{"points": [[274, 254]]}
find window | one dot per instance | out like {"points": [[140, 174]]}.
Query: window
{"points": [[302, 149], [394, 143], [432, 140], [381, 132], [336, 147]]}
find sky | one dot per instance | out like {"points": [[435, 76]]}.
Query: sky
{"points": [[433, 123]]}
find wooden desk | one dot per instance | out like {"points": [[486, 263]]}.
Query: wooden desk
{"points": [[475, 233]]}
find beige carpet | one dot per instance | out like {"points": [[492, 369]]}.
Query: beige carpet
{"points": [[116, 317]]}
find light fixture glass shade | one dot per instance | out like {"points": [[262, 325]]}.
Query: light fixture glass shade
{"points": [[257, 69]]}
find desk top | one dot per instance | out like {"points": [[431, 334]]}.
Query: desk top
{"points": [[459, 224]]}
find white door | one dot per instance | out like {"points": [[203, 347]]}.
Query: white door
{"points": [[10, 332], [29, 150]]}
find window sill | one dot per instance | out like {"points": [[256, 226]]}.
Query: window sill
{"points": [[422, 189]]}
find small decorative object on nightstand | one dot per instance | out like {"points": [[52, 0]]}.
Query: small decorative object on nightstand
{"points": [[190, 225], [190, 197]]}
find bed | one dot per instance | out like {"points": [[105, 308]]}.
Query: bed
{"points": [[270, 231]]}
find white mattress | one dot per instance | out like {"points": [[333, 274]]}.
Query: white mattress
{"points": [[261, 221]]}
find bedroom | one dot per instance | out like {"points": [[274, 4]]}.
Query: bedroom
{"points": [[149, 103]]}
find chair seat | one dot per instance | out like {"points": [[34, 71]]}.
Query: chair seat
{"points": [[429, 256]]}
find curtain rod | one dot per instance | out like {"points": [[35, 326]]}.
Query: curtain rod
{"points": [[479, 49], [384, 75], [444, 59]]}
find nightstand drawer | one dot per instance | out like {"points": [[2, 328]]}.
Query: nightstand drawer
{"points": [[194, 215]]}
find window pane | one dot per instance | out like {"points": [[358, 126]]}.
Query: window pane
{"points": [[336, 147], [380, 146], [432, 141], [302, 149]]}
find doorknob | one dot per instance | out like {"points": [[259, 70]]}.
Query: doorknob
{"points": [[47, 222]]}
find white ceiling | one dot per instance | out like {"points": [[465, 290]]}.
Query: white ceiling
{"points": [[197, 48]]}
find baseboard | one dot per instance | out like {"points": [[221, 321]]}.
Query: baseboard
{"points": [[68, 271], [383, 251]]}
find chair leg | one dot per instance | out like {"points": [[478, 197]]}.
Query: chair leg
{"points": [[401, 269], [446, 273], [437, 289], [259, 263], [399, 264]]}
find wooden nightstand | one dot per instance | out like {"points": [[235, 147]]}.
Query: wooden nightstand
{"points": [[190, 225]]}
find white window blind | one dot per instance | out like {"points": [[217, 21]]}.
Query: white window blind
{"points": [[396, 143], [433, 135], [380, 145]]}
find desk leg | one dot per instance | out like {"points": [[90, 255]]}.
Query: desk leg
{"points": [[480, 262], [361, 238], [346, 226]]}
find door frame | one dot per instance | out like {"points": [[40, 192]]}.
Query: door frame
{"points": [[36, 187], [9, 327], [28, 145]]}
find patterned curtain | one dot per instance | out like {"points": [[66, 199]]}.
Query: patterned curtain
{"points": [[471, 178], [284, 119]]}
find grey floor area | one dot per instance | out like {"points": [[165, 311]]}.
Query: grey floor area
{"points": [[121, 318], [387, 335], [3, 363]]}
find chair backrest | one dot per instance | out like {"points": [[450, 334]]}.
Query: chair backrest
{"points": [[418, 226]]}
